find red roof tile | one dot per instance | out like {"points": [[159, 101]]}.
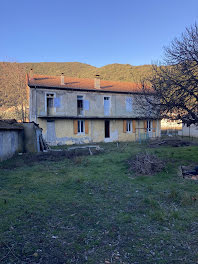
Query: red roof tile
{"points": [[84, 84]]}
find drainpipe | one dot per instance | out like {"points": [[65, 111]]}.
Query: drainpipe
{"points": [[36, 105]]}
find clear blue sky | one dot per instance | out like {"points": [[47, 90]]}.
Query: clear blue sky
{"points": [[97, 32]]}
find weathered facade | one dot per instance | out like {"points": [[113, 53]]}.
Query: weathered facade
{"points": [[73, 110]]}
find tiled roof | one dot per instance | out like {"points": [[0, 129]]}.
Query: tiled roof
{"points": [[81, 83]]}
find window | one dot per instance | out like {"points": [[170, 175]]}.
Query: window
{"points": [[50, 103], [149, 125], [81, 126], [128, 102], [106, 105], [129, 126], [79, 105]]}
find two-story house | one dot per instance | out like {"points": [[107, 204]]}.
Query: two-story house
{"points": [[75, 110]]}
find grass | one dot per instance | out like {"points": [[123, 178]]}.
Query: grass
{"points": [[90, 209]]}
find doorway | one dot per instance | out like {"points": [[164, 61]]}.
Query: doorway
{"points": [[107, 129], [51, 134], [149, 128]]}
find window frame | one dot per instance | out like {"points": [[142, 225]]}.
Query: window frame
{"points": [[149, 125], [127, 105], [82, 96], [107, 96], [46, 100], [129, 127], [82, 125]]}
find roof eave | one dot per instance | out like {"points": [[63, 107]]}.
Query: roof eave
{"points": [[86, 90]]}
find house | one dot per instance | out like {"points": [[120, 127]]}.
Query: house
{"points": [[75, 110]]}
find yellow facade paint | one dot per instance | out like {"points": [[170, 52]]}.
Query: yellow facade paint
{"points": [[64, 131]]}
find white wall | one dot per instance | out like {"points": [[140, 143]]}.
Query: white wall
{"points": [[191, 131]]}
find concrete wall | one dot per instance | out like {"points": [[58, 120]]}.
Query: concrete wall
{"points": [[121, 105], [10, 143], [31, 137], [61, 131], [191, 131]]}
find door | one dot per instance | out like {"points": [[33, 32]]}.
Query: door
{"points": [[107, 128], [51, 135]]}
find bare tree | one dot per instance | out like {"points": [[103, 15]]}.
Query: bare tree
{"points": [[13, 90], [175, 83]]}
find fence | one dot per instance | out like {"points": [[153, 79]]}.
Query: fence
{"points": [[142, 135], [171, 132]]}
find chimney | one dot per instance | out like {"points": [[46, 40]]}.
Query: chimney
{"points": [[97, 82], [62, 79], [31, 74]]}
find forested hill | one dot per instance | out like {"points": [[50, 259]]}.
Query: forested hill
{"points": [[116, 72]]}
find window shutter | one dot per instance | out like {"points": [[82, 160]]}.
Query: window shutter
{"points": [[124, 126], [154, 125], [145, 125], [86, 127], [75, 126], [128, 101], [134, 125]]}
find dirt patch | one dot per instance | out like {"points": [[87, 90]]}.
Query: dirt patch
{"points": [[146, 164], [54, 155]]}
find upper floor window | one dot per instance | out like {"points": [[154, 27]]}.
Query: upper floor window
{"points": [[50, 103], [129, 104], [106, 105], [79, 105]]}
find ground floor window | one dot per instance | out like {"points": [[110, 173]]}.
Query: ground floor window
{"points": [[129, 126], [149, 125], [81, 126]]}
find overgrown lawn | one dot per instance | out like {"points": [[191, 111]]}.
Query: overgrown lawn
{"points": [[92, 209]]}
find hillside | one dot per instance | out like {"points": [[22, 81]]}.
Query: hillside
{"points": [[114, 72], [13, 95]]}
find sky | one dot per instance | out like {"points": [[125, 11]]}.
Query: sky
{"points": [[96, 32]]}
